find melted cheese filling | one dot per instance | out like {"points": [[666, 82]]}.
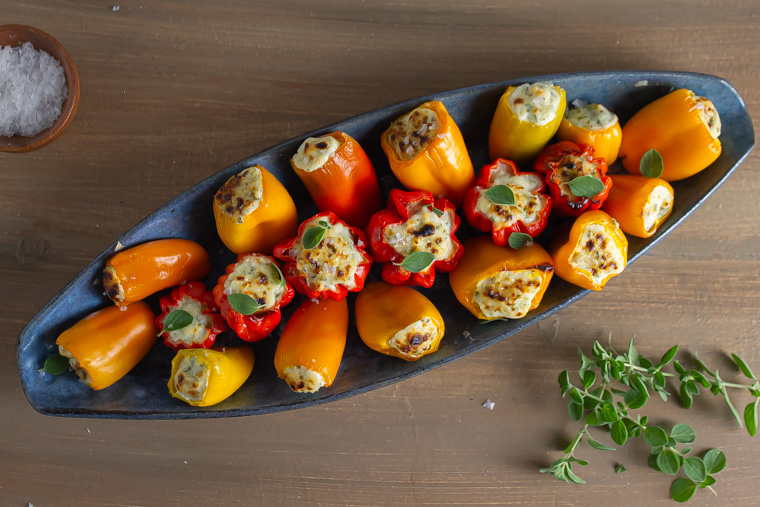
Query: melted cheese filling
{"points": [[709, 115], [303, 380], [191, 379], [240, 195], [415, 340], [112, 285], [569, 168], [596, 255], [257, 277], [412, 133], [536, 103], [424, 231], [78, 369], [591, 117], [508, 294], [197, 332], [527, 207], [315, 152], [658, 206], [333, 261]]}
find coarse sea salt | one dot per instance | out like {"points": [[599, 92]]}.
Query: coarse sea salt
{"points": [[32, 90]]}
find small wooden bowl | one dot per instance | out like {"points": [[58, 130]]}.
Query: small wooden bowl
{"points": [[15, 35]]}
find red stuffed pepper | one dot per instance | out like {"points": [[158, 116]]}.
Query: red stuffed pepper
{"points": [[506, 200], [251, 294], [414, 236], [577, 181], [199, 322], [327, 259]]}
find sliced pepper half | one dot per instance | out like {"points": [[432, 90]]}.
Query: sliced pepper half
{"points": [[562, 163], [495, 282], [529, 214], [205, 377], [683, 127], [591, 252], [254, 212], [327, 258], [138, 272], [426, 151], [339, 177], [105, 345], [258, 277], [526, 118], [311, 347], [595, 125], [415, 222], [207, 323], [640, 205], [398, 321]]}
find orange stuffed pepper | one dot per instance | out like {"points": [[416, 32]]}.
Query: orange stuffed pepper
{"points": [[594, 125], [640, 205]]}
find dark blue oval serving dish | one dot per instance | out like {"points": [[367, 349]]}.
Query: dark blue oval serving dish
{"points": [[142, 394]]}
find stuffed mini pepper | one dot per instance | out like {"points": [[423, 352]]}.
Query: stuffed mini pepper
{"points": [[577, 180], [594, 125], [205, 377], [495, 282], [640, 205], [339, 177], [506, 200], [251, 294], [327, 258], [591, 251], [189, 318], [414, 237]]}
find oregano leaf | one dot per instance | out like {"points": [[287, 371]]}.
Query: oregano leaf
{"points": [[564, 382], [651, 164], [586, 186], [575, 411], [750, 418], [714, 461], [501, 194], [325, 224], [655, 436], [599, 446], [619, 469], [177, 319], [682, 490], [683, 434], [694, 469], [55, 364], [243, 303], [669, 355], [417, 262], [276, 275], [518, 239], [745, 369], [668, 462], [608, 413], [436, 211], [312, 237], [619, 433]]}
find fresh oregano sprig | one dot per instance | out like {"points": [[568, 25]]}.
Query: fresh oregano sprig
{"points": [[613, 384]]}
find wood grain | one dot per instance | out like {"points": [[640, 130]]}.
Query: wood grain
{"points": [[172, 92]]}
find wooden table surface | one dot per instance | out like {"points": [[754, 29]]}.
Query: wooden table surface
{"points": [[175, 91]]}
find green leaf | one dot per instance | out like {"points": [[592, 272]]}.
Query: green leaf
{"points": [[645, 363], [619, 469], [586, 186], [669, 355], [668, 462], [56, 364], [694, 469], [437, 211], [743, 367], [243, 303], [177, 319], [564, 382], [638, 384], [686, 450], [750, 418], [619, 432], [592, 419], [679, 369], [575, 411], [658, 380], [576, 396], [655, 436], [686, 398], [608, 413], [714, 460], [599, 351], [652, 462], [683, 434], [633, 355], [709, 481], [574, 478], [634, 399], [651, 164], [588, 379], [325, 224], [501, 194], [518, 239], [312, 237], [599, 446], [682, 490], [607, 396], [417, 262], [276, 275]]}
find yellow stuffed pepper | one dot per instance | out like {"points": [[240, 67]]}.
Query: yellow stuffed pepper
{"points": [[398, 321], [682, 127], [254, 212], [105, 345], [205, 377], [640, 205], [591, 251], [594, 125], [311, 346], [426, 151], [495, 282], [526, 118]]}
